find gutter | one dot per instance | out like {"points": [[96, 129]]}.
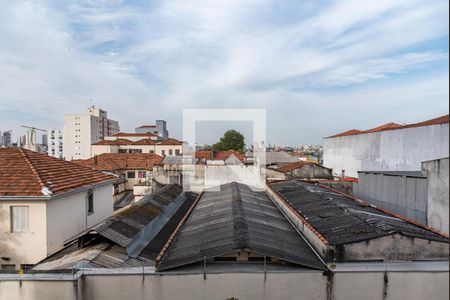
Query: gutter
{"points": [[69, 192]]}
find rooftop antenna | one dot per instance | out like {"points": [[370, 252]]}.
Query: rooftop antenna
{"points": [[90, 101]]}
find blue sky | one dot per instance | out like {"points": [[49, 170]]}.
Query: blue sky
{"points": [[318, 67]]}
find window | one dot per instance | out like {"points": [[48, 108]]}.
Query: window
{"points": [[177, 151], [135, 150], [90, 202], [8, 267], [122, 150], [151, 151], [19, 219], [170, 151], [163, 152], [131, 175], [142, 174]]}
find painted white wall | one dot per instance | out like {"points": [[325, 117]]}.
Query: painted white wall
{"points": [[67, 215], [392, 150], [23, 247]]}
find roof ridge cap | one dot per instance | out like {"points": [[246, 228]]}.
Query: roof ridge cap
{"points": [[33, 169]]}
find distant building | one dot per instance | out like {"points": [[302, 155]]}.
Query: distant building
{"points": [[160, 129], [44, 139], [6, 139], [55, 143], [138, 143], [82, 130], [44, 201], [390, 147]]}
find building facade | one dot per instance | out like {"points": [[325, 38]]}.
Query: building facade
{"points": [[6, 139], [82, 130], [390, 147], [160, 129], [142, 145], [55, 143]]}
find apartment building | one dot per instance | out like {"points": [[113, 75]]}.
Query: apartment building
{"points": [[55, 143], [82, 130], [44, 201], [6, 139]]}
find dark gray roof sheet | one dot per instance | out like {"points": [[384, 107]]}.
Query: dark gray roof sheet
{"points": [[342, 220], [237, 218], [396, 173]]}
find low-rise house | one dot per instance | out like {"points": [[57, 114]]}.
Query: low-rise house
{"points": [[136, 168], [143, 145], [45, 200], [301, 170]]}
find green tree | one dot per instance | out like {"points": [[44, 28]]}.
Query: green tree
{"points": [[231, 140]]}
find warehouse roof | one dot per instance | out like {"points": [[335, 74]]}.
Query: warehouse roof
{"points": [[396, 173], [341, 219], [28, 173], [133, 236], [276, 157], [233, 219]]}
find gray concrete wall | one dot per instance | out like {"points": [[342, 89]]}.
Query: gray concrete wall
{"points": [[345, 285], [437, 172], [393, 150], [394, 248], [312, 171], [400, 194]]}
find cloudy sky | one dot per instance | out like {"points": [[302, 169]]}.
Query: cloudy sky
{"points": [[317, 67]]}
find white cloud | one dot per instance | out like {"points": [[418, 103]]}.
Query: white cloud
{"points": [[149, 62]]}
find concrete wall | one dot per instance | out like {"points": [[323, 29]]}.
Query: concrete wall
{"points": [[393, 248], [393, 150], [437, 172], [312, 171], [23, 247], [409, 285], [400, 194]]}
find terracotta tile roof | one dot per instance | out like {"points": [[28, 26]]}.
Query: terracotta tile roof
{"points": [[293, 166], [26, 173], [297, 153], [114, 142], [203, 154], [144, 142], [122, 161], [168, 142], [394, 126], [223, 155], [124, 134]]}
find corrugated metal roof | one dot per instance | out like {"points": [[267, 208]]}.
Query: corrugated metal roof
{"points": [[233, 219], [342, 220], [396, 173], [276, 157], [133, 237]]}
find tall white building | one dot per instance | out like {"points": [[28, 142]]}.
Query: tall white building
{"points": [[55, 143], [82, 130]]}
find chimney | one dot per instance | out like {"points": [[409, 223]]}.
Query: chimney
{"points": [[343, 174], [95, 160]]}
